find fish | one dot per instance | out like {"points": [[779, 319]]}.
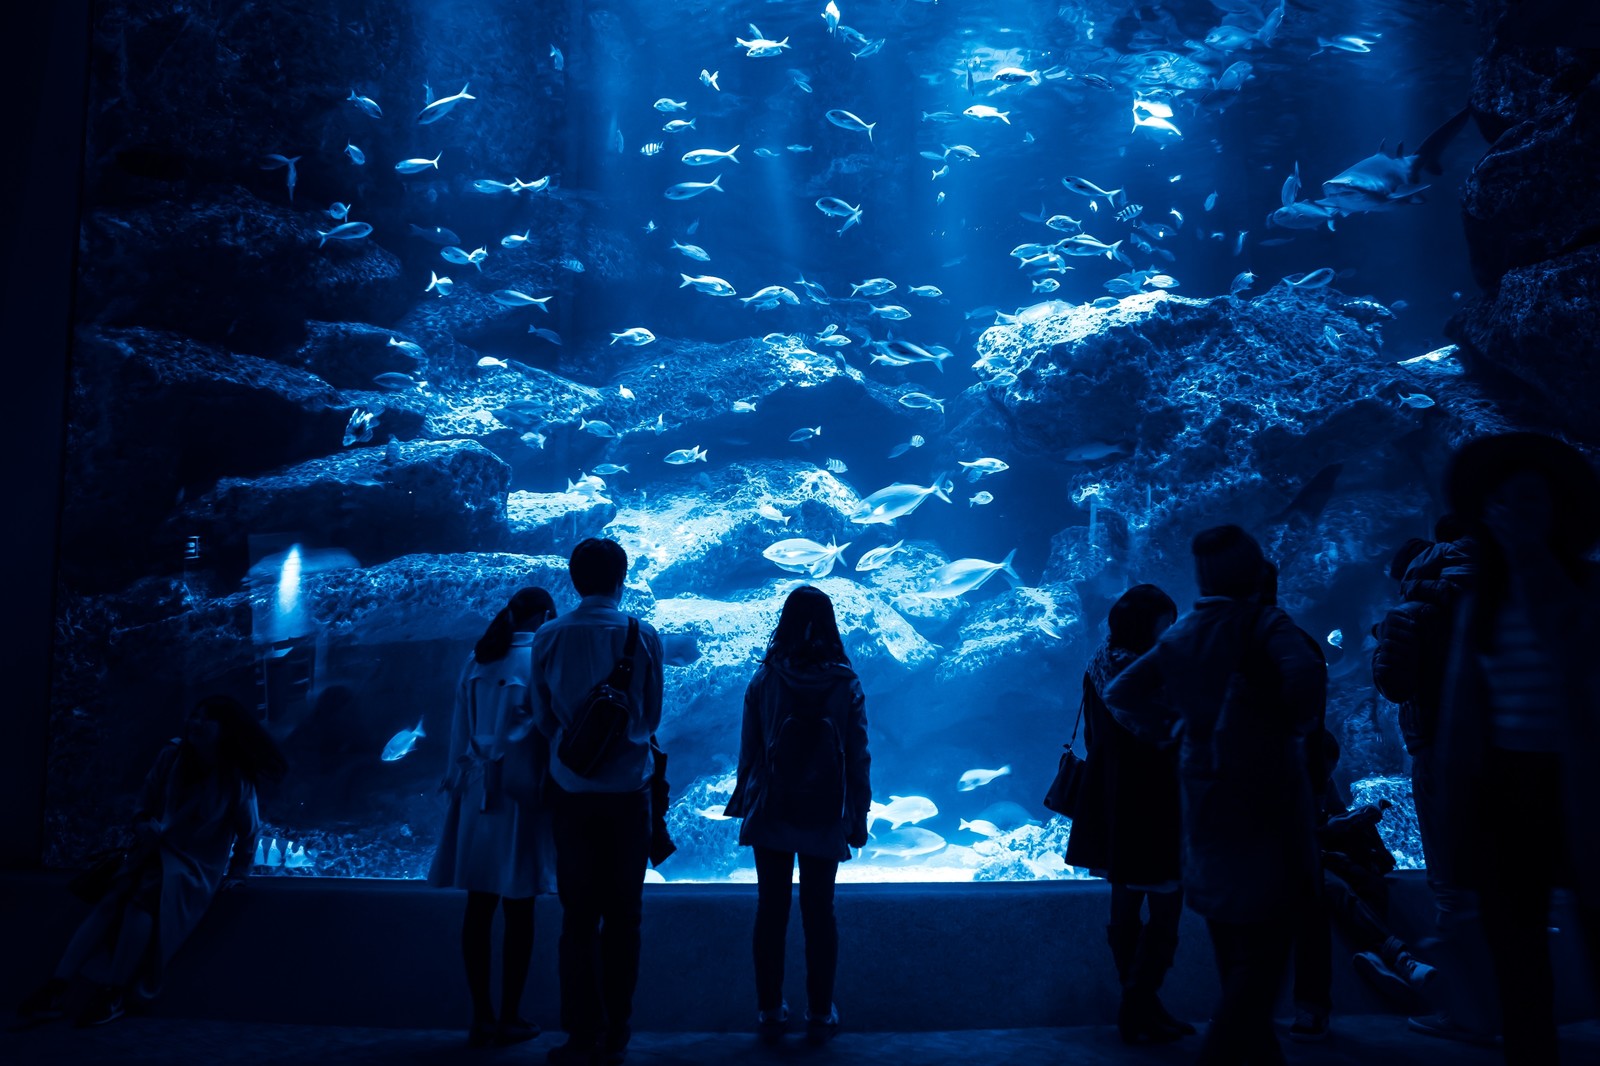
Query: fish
{"points": [[685, 190], [797, 148], [984, 467], [1331, 337], [708, 78], [357, 156], [359, 429], [801, 82], [1158, 108], [1241, 281], [1046, 285], [596, 428], [652, 148], [939, 173], [1296, 214], [411, 348], [437, 235], [770, 297], [348, 231], [964, 153], [490, 361], [693, 251], [533, 440], [546, 334], [1383, 181], [940, 116], [980, 499], [801, 556], [897, 501], [678, 125], [968, 575], [902, 810], [975, 779], [610, 469], [684, 456], [871, 48], [981, 827], [830, 15], [1162, 281], [1129, 213], [513, 240], [558, 60], [438, 109], [815, 293], [900, 449], [569, 263], [1418, 400], [1093, 451], [764, 153], [761, 48], [743, 407], [1346, 43], [805, 433], [414, 166], [465, 258], [1085, 187], [771, 514], [702, 156], [1084, 245], [1096, 81], [635, 337], [836, 466], [625, 392], [365, 103], [273, 161], [837, 208], [396, 382], [904, 353], [713, 813], [1336, 638], [921, 401], [985, 112], [1063, 224], [707, 284], [490, 187], [904, 844], [667, 104], [872, 287], [848, 121], [513, 298], [931, 292], [1153, 122], [1016, 76], [440, 285], [878, 556], [1211, 201], [1316, 279], [892, 312]]}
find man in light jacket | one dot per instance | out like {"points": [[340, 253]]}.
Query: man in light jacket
{"points": [[602, 819], [1239, 686]]}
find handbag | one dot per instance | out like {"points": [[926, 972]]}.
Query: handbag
{"points": [[92, 883], [661, 845], [602, 719], [1070, 770]]}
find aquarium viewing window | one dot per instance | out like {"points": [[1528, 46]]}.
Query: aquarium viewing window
{"points": [[968, 314]]}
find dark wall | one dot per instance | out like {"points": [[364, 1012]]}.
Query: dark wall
{"points": [[45, 54]]}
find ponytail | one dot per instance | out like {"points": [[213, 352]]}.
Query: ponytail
{"points": [[528, 610]]}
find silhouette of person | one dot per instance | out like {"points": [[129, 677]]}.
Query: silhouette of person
{"points": [[498, 842], [1520, 720], [1240, 688], [1128, 826], [804, 789], [603, 822], [194, 834]]}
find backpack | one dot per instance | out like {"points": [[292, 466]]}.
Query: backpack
{"points": [[805, 763], [601, 723]]}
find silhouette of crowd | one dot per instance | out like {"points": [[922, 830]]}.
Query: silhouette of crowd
{"points": [[1208, 780]]}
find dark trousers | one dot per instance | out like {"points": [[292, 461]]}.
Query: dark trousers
{"points": [[1340, 906], [602, 846], [1515, 900], [1251, 959], [774, 891]]}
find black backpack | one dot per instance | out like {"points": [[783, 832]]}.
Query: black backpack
{"points": [[602, 719], [805, 763]]}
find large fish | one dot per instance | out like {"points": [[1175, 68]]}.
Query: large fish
{"points": [[898, 500], [1382, 181], [966, 575], [437, 109], [801, 556]]}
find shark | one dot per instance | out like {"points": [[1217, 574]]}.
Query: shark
{"points": [[1385, 180]]}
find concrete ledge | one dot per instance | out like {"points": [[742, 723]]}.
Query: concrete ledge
{"points": [[912, 957]]}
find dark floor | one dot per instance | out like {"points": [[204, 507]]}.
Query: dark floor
{"points": [[1369, 1040]]}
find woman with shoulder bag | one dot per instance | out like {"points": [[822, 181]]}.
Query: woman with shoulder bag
{"points": [[1127, 827], [498, 842], [804, 789]]}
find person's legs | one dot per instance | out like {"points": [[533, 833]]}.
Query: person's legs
{"points": [[817, 878], [626, 856], [1313, 960], [577, 845], [475, 928], [516, 952], [1250, 963], [1122, 932], [1158, 946], [134, 941], [94, 934], [774, 891]]}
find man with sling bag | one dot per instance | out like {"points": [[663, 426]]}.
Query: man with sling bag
{"points": [[597, 697]]}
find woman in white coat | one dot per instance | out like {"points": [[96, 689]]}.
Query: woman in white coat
{"points": [[497, 842]]}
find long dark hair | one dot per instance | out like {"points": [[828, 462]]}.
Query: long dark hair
{"points": [[527, 610], [243, 744], [807, 632], [1133, 618], [1481, 467]]}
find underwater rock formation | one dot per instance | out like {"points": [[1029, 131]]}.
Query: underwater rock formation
{"points": [[550, 523]]}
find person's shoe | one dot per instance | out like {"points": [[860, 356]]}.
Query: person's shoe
{"points": [[1310, 1026], [821, 1030], [1394, 988], [1444, 1027], [482, 1033], [614, 1048], [45, 1003], [1137, 1022], [574, 1053], [772, 1024], [1160, 1015], [103, 1007], [1418, 974], [515, 1031]]}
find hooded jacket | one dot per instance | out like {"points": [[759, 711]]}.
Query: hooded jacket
{"points": [[834, 690], [1408, 665]]}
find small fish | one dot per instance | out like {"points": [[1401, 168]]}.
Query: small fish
{"points": [[931, 292], [636, 337], [1153, 122], [338, 212], [980, 499], [892, 312], [490, 187], [490, 361], [625, 392], [940, 116], [1241, 281], [984, 111], [872, 287], [1238, 242], [365, 103], [836, 466], [897, 501], [1046, 285], [900, 449], [1418, 400], [349, 231], [974, 779], [713, 813], [766, 153], [533, 440], [985, 467], [411, 348], [438, 109], [436, 235], [357, 156], [359, 429], [837, 208], [463, 257], [273, 161], [981, 827], [394, 381], [1097, 81], [686, 189], [558, 60], [678, 125], [1331, 337], [514, 239], [708, 78], [652, 148], [401, 744], [799, 555], [1316, 279], [1016, 76], [1336, 638], [939, 173], [878, 556], [513, 298], [569, 263], [596, 428], [1085, 187], [902, 810], [799, 148], [1161, 281], [847, 121], [1343, 44], [1064, 224], [771, 514], [666, 104], [830, 15], [801, 82], [743, 407], [546, 334], [440, 285], [707, 284], [964, 153], [805, 433], [760, 48], [703, 156], [1211, 201], [967, 575], [684, 456]]}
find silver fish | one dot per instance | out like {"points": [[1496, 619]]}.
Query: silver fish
{"points": [[967, 575], [684, 456], [878, 556], [402, 743], [897, 501], [708, 284], [438, 109], [799, 555], [513, 298], [349, 231], [845, 120], [366, 103], [684, 190]]}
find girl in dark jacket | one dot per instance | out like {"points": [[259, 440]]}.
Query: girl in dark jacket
{"points": [[1128, 823], [803, 790]]}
